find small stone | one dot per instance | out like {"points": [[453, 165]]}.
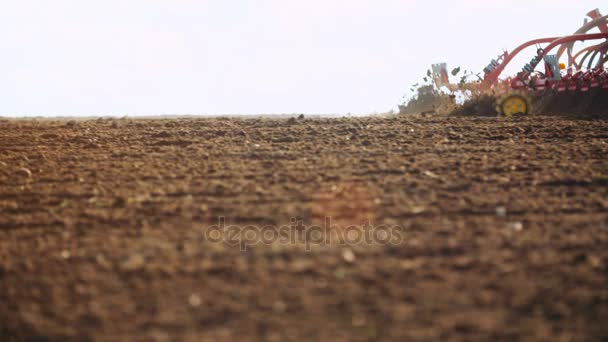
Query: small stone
{"points": [[300, 266], [194, 300], [102, 261], [516, 226], [24, 172], [134, 262], [65, 254], [594, 261], [348, 255], [501, 211], [431, 174], [411, 264], [417, 209]]}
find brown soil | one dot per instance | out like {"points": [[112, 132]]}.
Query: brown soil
{"points": [[104, 229]]}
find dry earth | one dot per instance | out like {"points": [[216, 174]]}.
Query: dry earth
{"points": [[499, 229]]}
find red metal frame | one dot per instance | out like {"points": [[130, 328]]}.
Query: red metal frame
{"points": [[491, 79], [597, 21], [576, 76]]}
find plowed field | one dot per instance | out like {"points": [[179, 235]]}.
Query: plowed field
{"points": [[269, 229]]}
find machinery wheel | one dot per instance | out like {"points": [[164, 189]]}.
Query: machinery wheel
{"points": [[512, 104]]}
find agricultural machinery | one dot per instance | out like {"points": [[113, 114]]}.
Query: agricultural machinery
{"points": [[566, 73]]}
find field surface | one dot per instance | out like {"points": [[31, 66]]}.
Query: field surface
{"points": [[225, 229]]}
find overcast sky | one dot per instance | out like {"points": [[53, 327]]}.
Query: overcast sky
{"points": [[146, 57]]}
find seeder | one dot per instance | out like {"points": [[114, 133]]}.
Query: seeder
{"points": [[565, 72]]}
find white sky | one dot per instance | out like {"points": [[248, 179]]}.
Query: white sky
{"points": [[136, 57]]}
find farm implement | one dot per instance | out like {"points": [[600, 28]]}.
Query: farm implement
{"points": [[558, 77]]}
